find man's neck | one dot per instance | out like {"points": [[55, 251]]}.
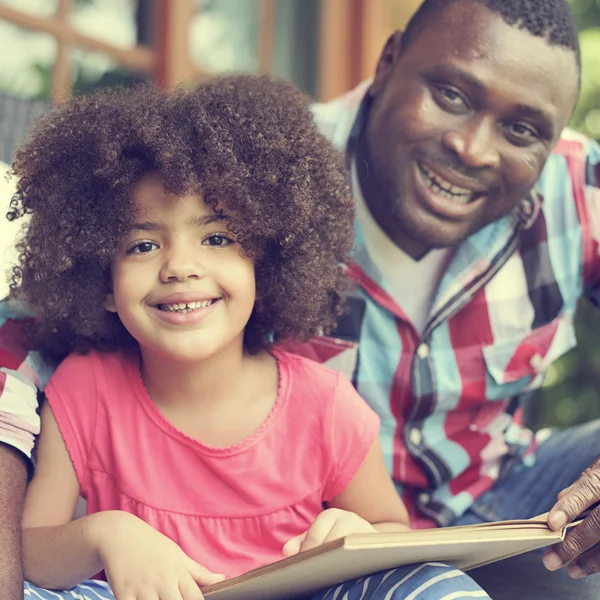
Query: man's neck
{"points": [[375, 201]]}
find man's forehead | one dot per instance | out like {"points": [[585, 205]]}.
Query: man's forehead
{"points": [[478, 40]]}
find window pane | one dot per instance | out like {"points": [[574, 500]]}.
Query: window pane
{"points": [[112, 21], [224, 35], [93, 70], [26, 61], [36, 8]]}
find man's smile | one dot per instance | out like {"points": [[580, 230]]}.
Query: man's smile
{"points": [[438, 184]]}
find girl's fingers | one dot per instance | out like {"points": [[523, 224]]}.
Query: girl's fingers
{"points": [[201, 575], [292, 546]]}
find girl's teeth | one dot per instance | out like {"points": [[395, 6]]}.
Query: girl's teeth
{"points": [[184, 307]]}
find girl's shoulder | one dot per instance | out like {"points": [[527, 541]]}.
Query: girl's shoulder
{"points": [[83, 370]]}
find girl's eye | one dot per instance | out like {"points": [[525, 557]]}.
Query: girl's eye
{"points": [[218, 239], [141, 248]]}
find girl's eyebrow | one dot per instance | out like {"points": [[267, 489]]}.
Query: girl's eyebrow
{"points": [[191, 222]]}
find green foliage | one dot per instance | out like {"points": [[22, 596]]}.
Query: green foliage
{"points": [[571, 389]]}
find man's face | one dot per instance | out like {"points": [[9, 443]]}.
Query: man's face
{"points": [[462, 121]]}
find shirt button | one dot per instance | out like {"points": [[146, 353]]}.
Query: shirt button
{"points": [[473, 427], [423, 351], [536, 362], [424, 498], [415, 437]]}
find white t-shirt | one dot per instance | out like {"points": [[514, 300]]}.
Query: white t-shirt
{"points": [[411, 283]]}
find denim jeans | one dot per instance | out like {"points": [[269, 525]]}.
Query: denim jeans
{"points": [[528, 491], [525, 492]]}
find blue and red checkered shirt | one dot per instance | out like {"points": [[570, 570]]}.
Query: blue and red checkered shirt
{"points": [[502, 313], [446, 397]]}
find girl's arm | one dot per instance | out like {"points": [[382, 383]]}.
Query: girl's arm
{"points": [[57, 552], [370, 503], [371, 494]]}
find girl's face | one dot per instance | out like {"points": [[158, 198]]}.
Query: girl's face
{"points": [[181, 286]]}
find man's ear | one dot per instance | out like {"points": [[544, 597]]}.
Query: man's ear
{"points": [[109, 303], [385, 64]]}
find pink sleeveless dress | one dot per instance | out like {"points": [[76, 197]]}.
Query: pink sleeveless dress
{"points": [[230, 509]]}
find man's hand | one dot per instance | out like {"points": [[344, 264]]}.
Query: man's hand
{"points": [[13, 479], [330, 525], [576, 548], [141, 563]]}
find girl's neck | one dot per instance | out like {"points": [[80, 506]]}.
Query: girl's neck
{"points": [[210, 381], [219, 401]]}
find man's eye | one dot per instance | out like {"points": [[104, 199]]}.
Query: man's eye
{"points": [[521, 133], [448, 96], [141, 248], [217, 240]]}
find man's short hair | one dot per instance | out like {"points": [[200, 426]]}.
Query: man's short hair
{"points": [[551, 20]]}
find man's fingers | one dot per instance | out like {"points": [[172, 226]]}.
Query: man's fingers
{"points": [[563, 493], [201, 575], [574, 500], [577, 541], [586, 564]]}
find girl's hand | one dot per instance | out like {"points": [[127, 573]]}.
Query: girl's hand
{"points": [[140, 563], [330, 525]]}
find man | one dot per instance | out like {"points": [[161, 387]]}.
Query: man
{"points": [[477, 234], [468, 271], [19, 422]]}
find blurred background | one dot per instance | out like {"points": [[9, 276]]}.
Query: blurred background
{"points": [[52, 49]]}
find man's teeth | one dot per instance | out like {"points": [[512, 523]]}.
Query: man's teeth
{"points": [[445, 188], [185, 307]]}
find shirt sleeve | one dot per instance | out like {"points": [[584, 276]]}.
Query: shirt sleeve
{"points": [[590, 220], [72, 396], [353, 428], [21, 375]]}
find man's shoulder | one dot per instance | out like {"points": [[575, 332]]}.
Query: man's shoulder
{"points": [[571, 177], [573, 151], [336, 117]]}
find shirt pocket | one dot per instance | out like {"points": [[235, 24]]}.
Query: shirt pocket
{"points": [[519, 363]]}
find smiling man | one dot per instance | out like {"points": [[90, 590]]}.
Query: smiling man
{"points": [[477, 233]]}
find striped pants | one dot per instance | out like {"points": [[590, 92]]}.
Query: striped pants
{"points": [[428, 581]]}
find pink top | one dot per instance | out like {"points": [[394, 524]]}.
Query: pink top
{"points": [[231, 509]]}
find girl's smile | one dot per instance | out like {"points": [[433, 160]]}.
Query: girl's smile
{"points": [[184, 313]]}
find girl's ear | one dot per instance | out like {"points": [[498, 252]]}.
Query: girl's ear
{"points": [[109, 303]]}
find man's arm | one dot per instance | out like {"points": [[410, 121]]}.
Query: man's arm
{"points": [[13, 479]]}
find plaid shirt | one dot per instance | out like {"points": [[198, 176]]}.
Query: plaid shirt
{"points": [[502, 313], [446, 398]]}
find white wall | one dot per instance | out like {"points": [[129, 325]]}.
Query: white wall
{"points": [[8, 230]]}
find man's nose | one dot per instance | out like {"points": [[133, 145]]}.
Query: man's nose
{"points": [[474, 143]]}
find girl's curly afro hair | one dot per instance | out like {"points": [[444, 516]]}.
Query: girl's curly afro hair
{"points": [[246, 141]]}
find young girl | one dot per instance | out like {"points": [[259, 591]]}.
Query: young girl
{"points": [[173, 240]]}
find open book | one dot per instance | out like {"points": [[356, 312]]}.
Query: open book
{"points": [[354, 556]]}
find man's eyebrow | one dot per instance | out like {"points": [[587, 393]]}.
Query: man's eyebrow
{"points": [[448, 70], [537, 114], [192, 222]]}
